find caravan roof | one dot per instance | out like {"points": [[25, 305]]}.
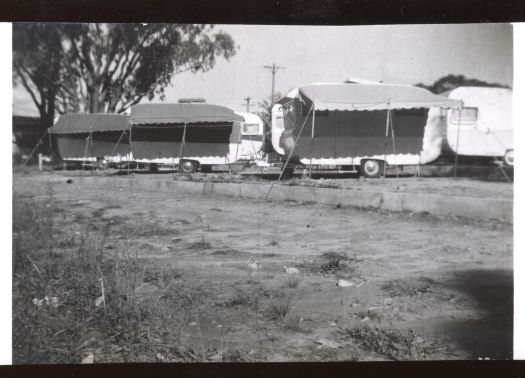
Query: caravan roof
{"points": [[84, 123], [351, 96], [181, 113]]}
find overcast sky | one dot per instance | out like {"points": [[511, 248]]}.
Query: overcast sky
{"points": [[405, 54]]}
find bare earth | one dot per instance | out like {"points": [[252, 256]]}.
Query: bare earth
{"points": [[441, 285]]}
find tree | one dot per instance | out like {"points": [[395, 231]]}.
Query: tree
{"points": [[109, 67], [265, 112], [265, 107], [38, 65], [450, 82]]}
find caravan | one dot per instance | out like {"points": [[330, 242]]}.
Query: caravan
{"points": [[483, 127], [95, 139], [355, 126], [190, 135]]}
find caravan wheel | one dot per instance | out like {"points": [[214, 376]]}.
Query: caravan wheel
{"points": [[372, 168], [509, 158], [188, 166], [102, 163]]}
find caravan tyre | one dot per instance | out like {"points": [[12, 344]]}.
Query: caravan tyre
{"points": [[372, 168], [508, 159], [188, 166], [102, 163]]}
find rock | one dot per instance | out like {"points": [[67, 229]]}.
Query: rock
{"points": [[365, 319], [291, 270], [325, 343], [89, 358], [176, 240], [254, 265], [387, 301], [344, 283], [99, 301], [38, 302], [165, 249]]}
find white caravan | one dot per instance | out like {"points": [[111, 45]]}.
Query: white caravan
{"points": [[483, 127], [252, 137]]}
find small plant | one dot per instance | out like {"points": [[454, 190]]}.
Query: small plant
{"points": [[410, 287], [334, 262], [273, 243], [393, 343], [292, 281], [241, 297], [280, 306], [200, 245], [293, 324]]}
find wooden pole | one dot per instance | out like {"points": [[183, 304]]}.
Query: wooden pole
{"points": [[290, 154], [386, 137], [312, 141], [393, 141], [130, 147], [239, 141], [457, 146], [183, 142], [36, 147]]}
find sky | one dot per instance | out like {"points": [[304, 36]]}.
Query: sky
{"points": [[405, 54]]}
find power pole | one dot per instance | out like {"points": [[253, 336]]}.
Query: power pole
{"points": [[274, 69], [247, 99]]}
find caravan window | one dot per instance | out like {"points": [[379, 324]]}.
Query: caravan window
{"points": [[465, 116], [250, 129]]}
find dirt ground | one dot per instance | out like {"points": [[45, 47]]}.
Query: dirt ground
{"points": [[461, 186], [212, 268]]}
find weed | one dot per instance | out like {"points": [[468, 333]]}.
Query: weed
{"points": [[87, 290], [292, 323], [200, 245], [273, 243], [372, 315], [281, 305], [242, 297], [98, 213], [226, 251], [393, 343], [292, 281], [408, 287], [268, 254]]}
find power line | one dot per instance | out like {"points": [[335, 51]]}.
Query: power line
{"points": [[274, 69], [247, 103]]}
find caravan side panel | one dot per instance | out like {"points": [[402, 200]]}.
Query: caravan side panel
{"points": [[345, 137], [101, 144], [484, 125], [208, 144]]}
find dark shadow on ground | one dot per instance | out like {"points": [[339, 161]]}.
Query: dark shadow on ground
{"points": [[489, 334]]}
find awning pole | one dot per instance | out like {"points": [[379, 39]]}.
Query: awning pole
{"points": [[393, 142], [118, 141], [86, 151], [36, 146], [183, 143], [290, 154], [386, 139], [312, 140], [457, 146], [239, 141], [130, 148]]}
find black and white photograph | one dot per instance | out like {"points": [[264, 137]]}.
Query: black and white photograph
{"points": [[262, 193]]}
